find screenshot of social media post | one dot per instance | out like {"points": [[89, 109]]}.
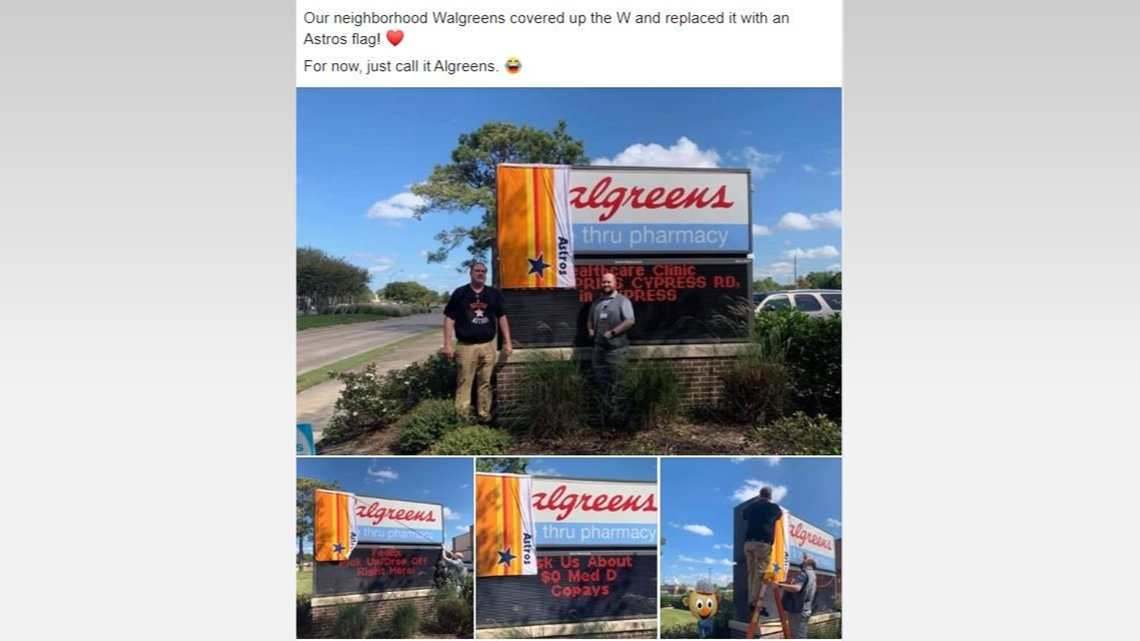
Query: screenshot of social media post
{"points": [[571, 230]]}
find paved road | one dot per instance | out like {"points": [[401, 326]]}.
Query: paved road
{"points": [[315, 405], [323, 345]]}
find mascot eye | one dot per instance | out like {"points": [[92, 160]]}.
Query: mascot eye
{"points": [[700, 604]]}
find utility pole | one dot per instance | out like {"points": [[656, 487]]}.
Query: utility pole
{"points": [[795, 271]]}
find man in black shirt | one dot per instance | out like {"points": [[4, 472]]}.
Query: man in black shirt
{"points": [[761, 517], [475, 313]]}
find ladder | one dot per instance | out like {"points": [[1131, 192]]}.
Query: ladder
{"points": [[754, 624]]}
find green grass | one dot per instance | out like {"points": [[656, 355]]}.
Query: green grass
{"points": [[305, 582], [320, 375], [324, 320], [673, 616]]}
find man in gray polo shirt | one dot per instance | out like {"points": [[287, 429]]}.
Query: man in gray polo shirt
{"points": [[611, 317], [798, 597]]}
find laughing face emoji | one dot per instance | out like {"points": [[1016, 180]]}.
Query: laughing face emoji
{"points": [[513, 65]]}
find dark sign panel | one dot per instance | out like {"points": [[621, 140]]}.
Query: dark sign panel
{"points": [[571, 587], [376, 568], [674, 301]]}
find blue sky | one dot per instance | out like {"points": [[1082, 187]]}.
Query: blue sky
{"points": [[359, 150], [699, 494], [618, 469], [447, 481]]}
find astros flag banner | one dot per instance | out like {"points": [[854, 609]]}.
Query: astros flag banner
{"points": [[334, 527], [504, 526], [781, 553], [536, 245]]}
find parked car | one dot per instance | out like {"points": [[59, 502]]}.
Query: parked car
{"points": [[813, 302]]}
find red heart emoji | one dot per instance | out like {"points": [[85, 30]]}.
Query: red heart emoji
{"points": [[395, 37]]}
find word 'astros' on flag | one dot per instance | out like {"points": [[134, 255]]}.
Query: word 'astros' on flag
{"points": [[504, 526], [536, 244], [777, 569], [334, 526]]}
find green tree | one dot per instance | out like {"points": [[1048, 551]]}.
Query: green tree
{"points": [[323, 280], [769, 284], [502, 465], [468, 181], [408, 292], [821, 280], [305, 506]]}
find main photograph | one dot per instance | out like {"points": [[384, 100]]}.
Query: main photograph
{"points": [[569, 271]]}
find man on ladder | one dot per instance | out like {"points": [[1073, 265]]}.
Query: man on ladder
{"points": [[761, 518]]}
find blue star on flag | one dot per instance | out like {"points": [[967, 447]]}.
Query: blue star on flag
{"points": [[537, 266], [338, 547], [505, 556]]}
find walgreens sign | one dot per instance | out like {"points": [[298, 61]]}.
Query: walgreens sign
{"points": [[623, 210], [393, 521], [818, 544], [588, 512]]}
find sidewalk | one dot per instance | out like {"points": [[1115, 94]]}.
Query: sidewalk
{"points": [[315, 405]]}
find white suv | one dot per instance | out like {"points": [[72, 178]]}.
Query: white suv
{"points": [[813, 302]]}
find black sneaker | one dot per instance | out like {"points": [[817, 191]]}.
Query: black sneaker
{"points": [[764, 612]]}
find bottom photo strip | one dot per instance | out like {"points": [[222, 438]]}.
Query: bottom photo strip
{"points": [[565, 547]]}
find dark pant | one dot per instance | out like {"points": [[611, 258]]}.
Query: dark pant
{"points": [[608, 364]]}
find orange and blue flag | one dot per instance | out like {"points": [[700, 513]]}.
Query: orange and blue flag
{"points": [[334, 525], [781, 559], [504, 526], [536, 243]]}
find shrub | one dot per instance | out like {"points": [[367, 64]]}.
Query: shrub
{"points": [[832, 629], [651, 392], [351, 622], [680, 631], [453, 615], [753, 389], [813, 357], [801, 434], [426, 424], [372, 400], [550, 398], [304, 614], [679, 603], [473, 441], [405, 622]]}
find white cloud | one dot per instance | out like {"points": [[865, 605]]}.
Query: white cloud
{"points": [[684, 153], [672, 524], [707, 560], [827, 251], [760, 230], [402, 205], [773, 461], [424, 276], [424, 253], [550, 471], [382, 475], [703, 530], [752, 487], [739, 459], [775, 270], [837, 267], [722, 546], [759, 162], [688, 559], [834, 522], [374, 262], [460, 528], [795, 221], [464, 486], [448, 514], [835, 172], [810, 169]]}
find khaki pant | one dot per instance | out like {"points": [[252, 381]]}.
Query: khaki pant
{"points": [[758, 555], [475, 361]]}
